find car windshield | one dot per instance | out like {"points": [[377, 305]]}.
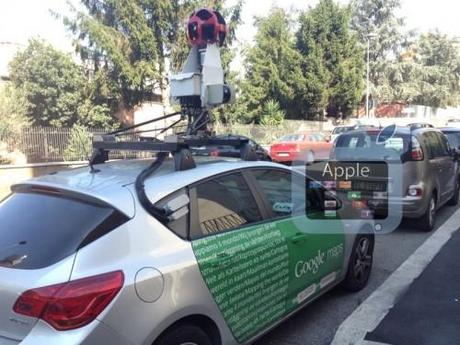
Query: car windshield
{"points": [[454, 139], [338, 130]]}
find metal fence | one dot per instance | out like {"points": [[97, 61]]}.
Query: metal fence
{"points": [[47, 144]]}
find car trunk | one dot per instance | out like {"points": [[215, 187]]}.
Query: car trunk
{"points": [[13, 282], [284, 149]]}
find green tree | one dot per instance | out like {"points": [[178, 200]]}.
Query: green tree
{"points": [[272, 67], [12, 111], [377, 20], [428, 73], [50, 82], [79, 146], [332, 63]]}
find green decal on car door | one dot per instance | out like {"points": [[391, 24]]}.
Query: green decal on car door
{"points": [[260, 273]]}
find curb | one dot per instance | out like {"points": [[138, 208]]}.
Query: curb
{"points": [[371, 312]]}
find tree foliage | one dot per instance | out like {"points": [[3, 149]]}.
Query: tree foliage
{"points": [[377, 20], [12, 111], [332, 62], [272, 67], [427, 73], [53, 89], [50, 82]]}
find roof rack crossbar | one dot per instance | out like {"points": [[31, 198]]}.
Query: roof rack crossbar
{"points": [[103, 145]]}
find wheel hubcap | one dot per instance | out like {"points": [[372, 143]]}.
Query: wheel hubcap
{"points": [[363, 259]]}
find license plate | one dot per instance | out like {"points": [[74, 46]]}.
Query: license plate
{"points": [[282, 154]]}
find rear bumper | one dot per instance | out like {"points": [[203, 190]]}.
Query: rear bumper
{"points": [[412, 207], [95, 333]]}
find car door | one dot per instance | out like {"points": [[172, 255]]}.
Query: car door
{"points": [[448, 167], [438, 164], [243, 259], [315, 258]]}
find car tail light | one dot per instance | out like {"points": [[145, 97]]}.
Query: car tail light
{"points": [[416, 150], [214, 153], [73, 304]]}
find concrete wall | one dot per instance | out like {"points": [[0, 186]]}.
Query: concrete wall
{"points": [[11, 174]]}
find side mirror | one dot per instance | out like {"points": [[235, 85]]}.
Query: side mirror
{"points": [[456, 154]]}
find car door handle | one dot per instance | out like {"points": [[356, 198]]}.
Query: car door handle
{"points": [[299, 238]]}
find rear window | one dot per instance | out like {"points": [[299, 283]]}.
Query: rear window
{"points": [[399, 143], [39, 230], [292, 137]]}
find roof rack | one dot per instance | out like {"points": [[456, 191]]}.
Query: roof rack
{"points": [[178, 146]]}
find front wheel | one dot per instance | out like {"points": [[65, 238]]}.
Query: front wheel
{"points": [[360, 264], [185, 335]]}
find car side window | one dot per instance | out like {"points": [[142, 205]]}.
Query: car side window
{"points": [[224, 203], [431, 144], [277, 188], [443, 144], [179, 221], [276, 185]]}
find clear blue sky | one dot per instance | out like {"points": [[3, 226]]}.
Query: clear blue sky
{"points": [[23, 19]]}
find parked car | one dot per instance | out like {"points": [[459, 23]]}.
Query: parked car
{"points": [[430, 168], [230, 151], [339, 130], [218, 259], [453, 123], [300, 146], [415, 125]]}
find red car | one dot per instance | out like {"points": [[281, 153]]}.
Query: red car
{"points": [[300, 146]]}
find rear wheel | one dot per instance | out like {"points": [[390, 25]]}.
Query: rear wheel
{"points": [[427, 221], [360, 264], [185, 335]]}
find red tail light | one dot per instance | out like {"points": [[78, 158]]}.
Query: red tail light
{"points": [[416, 151], [73, 304], [214, 153]]}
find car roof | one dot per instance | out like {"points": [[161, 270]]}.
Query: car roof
{"points": [[114, 181]]}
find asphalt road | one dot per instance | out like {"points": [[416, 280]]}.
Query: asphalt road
{"points": [[317, 323]]}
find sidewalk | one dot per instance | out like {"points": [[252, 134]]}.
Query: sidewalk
{"points": [[429, 312], [419, 304]]}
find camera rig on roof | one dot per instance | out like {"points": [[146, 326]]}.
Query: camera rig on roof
{"points": [[197, 88]]}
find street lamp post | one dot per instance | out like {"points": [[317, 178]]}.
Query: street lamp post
{"points": [[369, 36]]}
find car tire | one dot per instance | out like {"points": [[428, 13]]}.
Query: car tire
{"points": [[428, 219], [360, 264], [454, 200], [184, 335]]}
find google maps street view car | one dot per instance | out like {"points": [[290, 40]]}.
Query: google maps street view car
{"points": [[220, 263], [177, 250]]}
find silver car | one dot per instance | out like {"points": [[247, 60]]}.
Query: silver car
{"points": [[222, 262]]}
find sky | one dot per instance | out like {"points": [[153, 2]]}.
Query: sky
{"points": [[21, 20]]}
